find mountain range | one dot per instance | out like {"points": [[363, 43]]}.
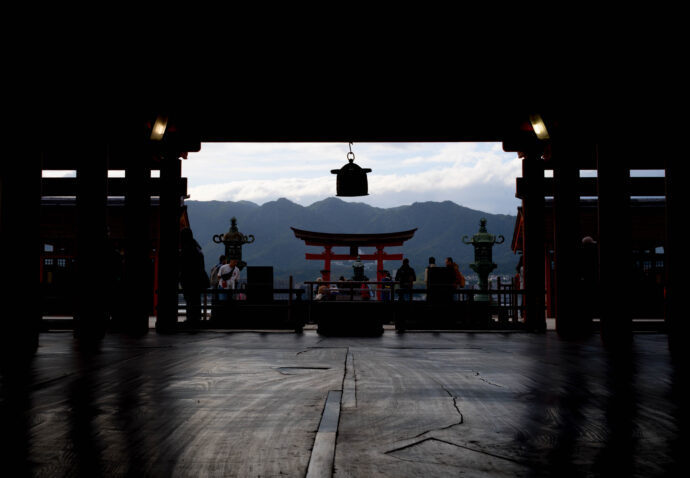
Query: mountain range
{"points": [[440, 228]]}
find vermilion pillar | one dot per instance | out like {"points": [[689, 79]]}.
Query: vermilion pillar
{"points": [[170, 209], [137, 273], [533, 240], [615, 238], [676, 320], [20, 196], [380, 255], [327, 262], [569, 321], [90, 306]]}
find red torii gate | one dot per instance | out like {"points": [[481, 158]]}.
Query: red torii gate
{"points": [[354, 242]]}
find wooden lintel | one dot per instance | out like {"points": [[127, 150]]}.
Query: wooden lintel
{"points": [[639, 186], [116, 186]]}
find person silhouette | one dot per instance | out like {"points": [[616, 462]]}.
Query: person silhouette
{"points": [[406, 276]]}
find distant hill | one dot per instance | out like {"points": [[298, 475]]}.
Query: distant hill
{"points": [[440, 228]]}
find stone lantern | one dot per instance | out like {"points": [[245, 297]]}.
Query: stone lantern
{"points": [[234, 240], [483, 243], [358, 271]]}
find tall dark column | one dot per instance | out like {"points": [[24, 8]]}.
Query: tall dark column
{"points": [[615, 239], [570, 320], [137, 273], [534, 244], [677, 322], [170, 209], [20, 199], [90, 305]]}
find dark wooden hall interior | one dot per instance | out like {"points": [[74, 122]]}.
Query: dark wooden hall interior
{"points": [[640, 376]]}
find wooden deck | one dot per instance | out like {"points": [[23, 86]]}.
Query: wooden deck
{"points": [[398, 405]]}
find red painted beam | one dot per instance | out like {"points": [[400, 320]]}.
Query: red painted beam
{"points": [[347, 257]]}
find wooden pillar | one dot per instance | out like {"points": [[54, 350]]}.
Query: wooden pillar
{"points": [[615, 255], [380, 254], [570, 320], [550, 303], [90, 305], [137, 274], [170, 210], [533, 240], [676, 322], [327, 262], [20, 199]]}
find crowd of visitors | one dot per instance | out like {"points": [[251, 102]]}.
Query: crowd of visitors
{"points": [[401, 287]]}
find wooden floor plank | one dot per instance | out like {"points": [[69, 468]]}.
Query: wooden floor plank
{"points": [[415, 404]]}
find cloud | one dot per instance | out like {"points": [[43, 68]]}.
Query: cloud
{"points": [[245, 161], [481, 176], [455, 153], [262, 190]]}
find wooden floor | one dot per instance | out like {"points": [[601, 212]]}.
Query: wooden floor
{"points": [[265, 404]]}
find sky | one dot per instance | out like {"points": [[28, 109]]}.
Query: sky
{"points": [[479, 176]]}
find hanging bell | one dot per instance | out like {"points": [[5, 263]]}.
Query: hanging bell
{"points": [[351, 179]]}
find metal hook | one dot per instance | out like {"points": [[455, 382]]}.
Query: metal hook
{"points": [[350, 155]]}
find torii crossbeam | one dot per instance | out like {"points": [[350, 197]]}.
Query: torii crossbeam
{"points": [[354, 242]]}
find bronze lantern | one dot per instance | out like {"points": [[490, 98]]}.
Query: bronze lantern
{"points": [[351, 179]]}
